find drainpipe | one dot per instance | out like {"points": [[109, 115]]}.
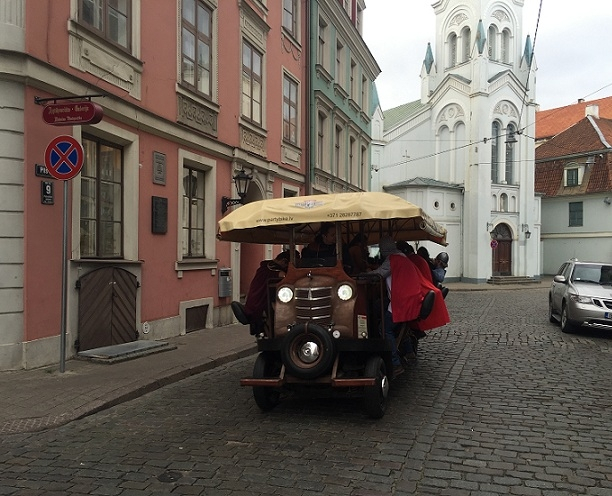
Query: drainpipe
{"points": [[308, 170]]}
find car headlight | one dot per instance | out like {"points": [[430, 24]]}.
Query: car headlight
{"points": [[345, 292], [285, 294], [581, 299]]}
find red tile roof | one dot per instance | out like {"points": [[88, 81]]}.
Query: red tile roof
{"points": [[551, 122], [582, 137], [586, 138]]}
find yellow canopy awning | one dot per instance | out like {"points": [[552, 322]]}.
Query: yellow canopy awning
{"points": [[373, 213]]}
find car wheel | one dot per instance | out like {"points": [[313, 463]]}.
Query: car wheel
{"points": [[566, 325], [266, 365], [308, 351], [551, 316], [375, 397]]}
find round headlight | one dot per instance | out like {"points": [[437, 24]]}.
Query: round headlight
{"points": [[345, 292], [285, 294]]}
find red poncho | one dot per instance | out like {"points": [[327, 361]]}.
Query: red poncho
{"points": [[408, 289]]}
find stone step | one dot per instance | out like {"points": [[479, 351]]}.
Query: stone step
{"points": [[122, 352], [512, 280]]}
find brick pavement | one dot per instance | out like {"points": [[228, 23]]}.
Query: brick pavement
{"points": [[499, 402], [43, 398]]}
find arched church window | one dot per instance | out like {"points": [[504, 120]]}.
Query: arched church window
{"points": [[510, 146], [466, 38], [495, 152], [503, 202], [492, 41], [505, 46], [452, 50]]}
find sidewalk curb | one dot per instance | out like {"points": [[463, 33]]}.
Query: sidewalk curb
{"points": [[122, 395]]}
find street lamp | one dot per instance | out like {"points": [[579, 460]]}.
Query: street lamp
{"points": [[242, 180]]}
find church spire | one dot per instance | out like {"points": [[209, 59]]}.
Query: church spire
{"points": [[429, 60], [528, 52], [481, 37]]}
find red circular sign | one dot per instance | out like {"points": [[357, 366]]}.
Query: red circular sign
{"points": [[494, 243], [64, 157]]}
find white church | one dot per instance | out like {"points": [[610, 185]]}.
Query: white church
{"points": [[465, 151]]}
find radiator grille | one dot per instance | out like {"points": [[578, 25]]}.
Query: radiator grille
{"points": [[313, 304]]}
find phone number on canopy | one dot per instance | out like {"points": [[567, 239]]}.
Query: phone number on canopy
{"points": [[344, 215]]}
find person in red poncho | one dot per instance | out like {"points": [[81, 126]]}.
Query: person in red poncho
{"points": [[407, 286]]}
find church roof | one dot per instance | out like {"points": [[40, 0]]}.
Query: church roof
{"points": [[401, 113], [375, 99], [422, 181], [551, 122]]}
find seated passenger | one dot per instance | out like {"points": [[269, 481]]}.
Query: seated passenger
{"points": [[407, 287], [358, 254], [324, 245], [257, 296], [388, 251], [440, 263], [322, 251]]}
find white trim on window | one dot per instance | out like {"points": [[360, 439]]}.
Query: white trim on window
{"points": [[209, 167], [131, 145]]}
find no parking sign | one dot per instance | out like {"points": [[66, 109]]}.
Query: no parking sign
{"points": [[494, 243], [64, 157]]}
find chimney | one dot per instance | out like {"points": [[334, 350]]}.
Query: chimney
{"points": [[592, 110]]}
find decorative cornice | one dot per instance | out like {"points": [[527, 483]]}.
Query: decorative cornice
{"points": [[501, 16], [505, 108], [458, 19]]}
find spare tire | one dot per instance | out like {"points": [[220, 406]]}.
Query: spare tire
{"points": [[308, 351]]}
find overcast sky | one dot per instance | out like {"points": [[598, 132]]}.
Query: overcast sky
{"points": [[573, 51]]}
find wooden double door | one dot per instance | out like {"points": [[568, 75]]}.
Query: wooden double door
{"points": [[107, 308], [502, 254]]}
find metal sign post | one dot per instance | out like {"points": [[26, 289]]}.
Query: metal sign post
{"points": [[64, 281], [64, 159]]}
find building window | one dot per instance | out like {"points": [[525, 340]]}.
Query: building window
{"points": [[340, 64], [252, 81], [505, 46], [571, 177], [338, 151], [193, 212], [495, 153], [575, 214], [290, 110], [321, 128], [322, 53], [290, 17], [452, 50], [363, 168], [101, 200], [510, 132], [353, 171], [110, 18], [503, 202], [466, 36], [353, 81], [492, 40], [364, 94], [197, 46]]}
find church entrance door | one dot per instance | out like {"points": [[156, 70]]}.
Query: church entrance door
{"points": [[502, 255]]}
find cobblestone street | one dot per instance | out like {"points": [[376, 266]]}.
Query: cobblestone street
{"points": [[499, 402]]}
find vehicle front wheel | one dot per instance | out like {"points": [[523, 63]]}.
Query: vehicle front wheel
{"points": [[308, 351], [375, 397], [266, 365], [566, 325], [551, 316]]}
